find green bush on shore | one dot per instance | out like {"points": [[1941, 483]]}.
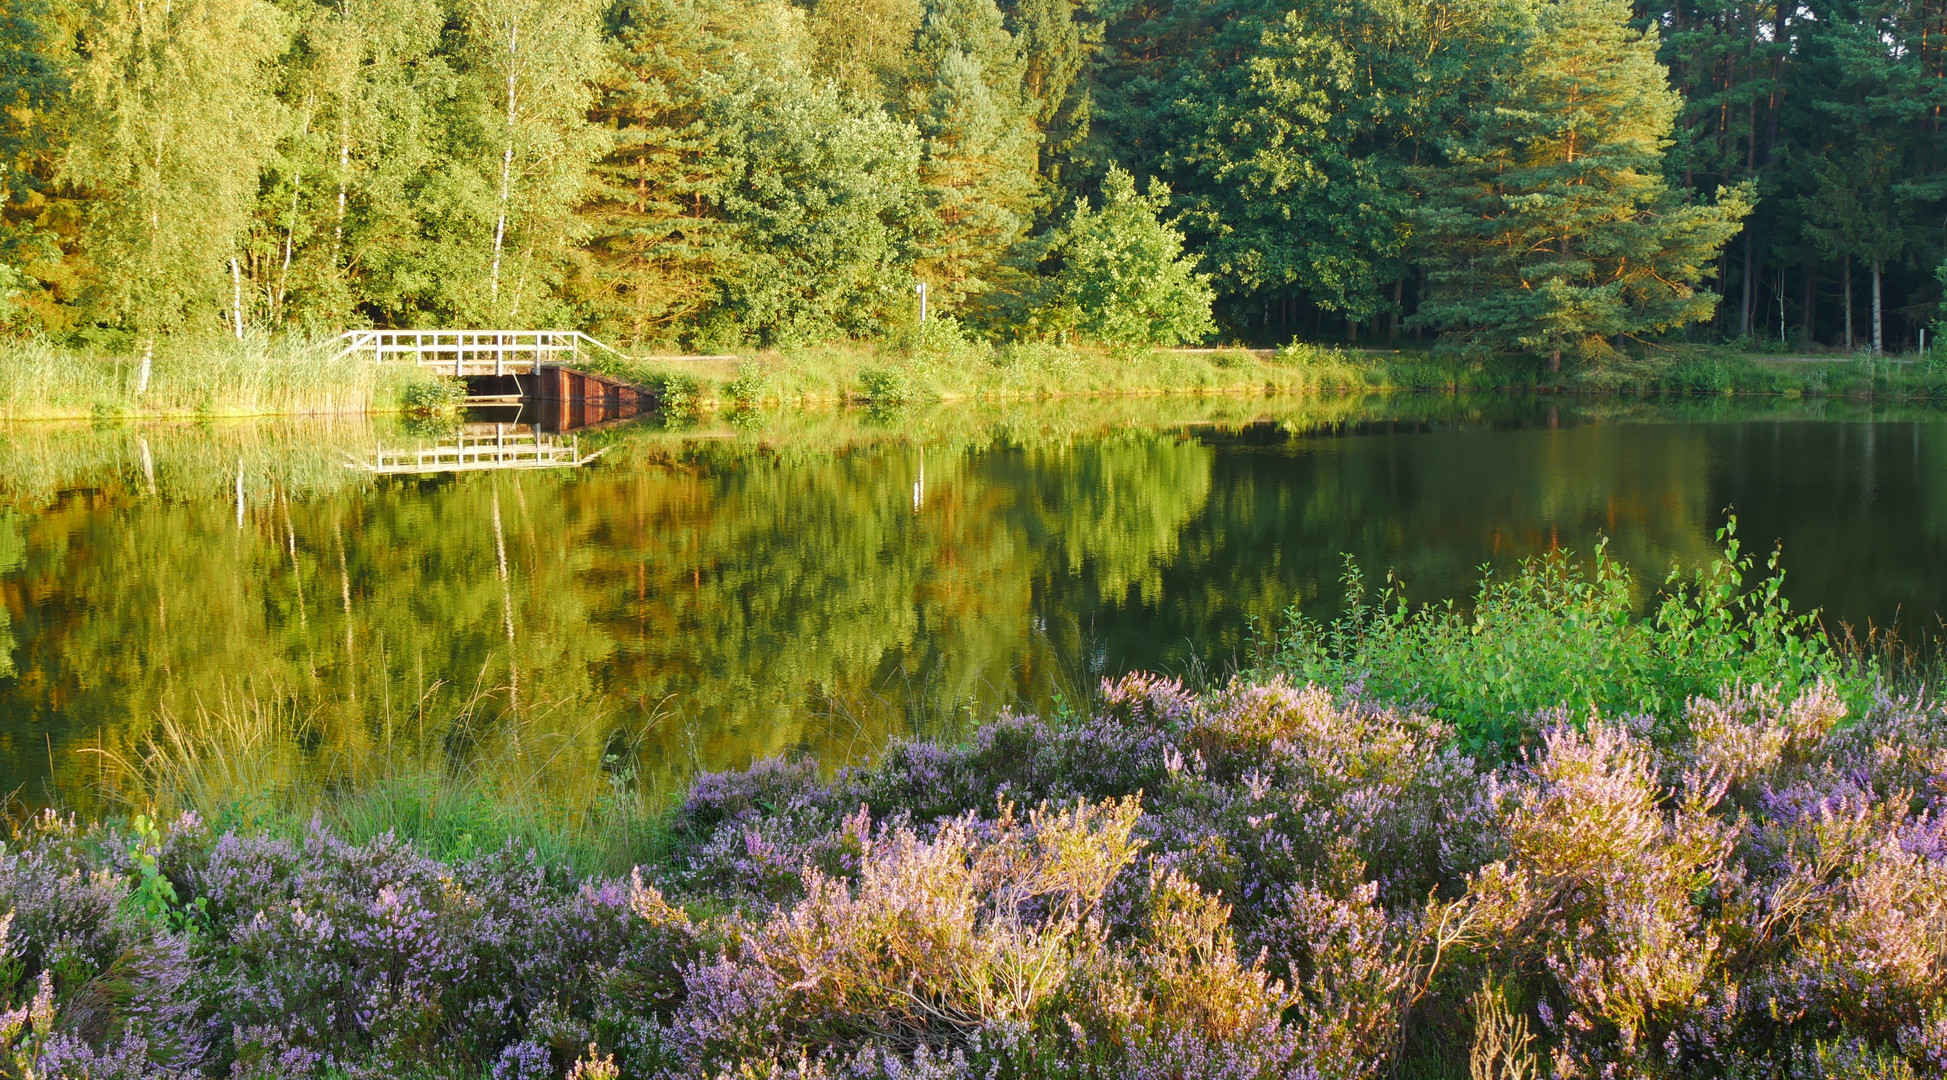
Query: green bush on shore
{"points": [[1562, 634]]}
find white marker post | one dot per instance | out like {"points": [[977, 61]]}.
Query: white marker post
{"points": [[921, 289]]}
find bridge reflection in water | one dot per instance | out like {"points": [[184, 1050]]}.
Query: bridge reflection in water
{"points": [[478, 448]]}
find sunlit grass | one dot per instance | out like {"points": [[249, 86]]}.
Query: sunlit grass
{"points": [[957, 370], [204, 375], [456, 777]]}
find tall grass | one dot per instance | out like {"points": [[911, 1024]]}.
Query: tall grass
{"points": [[466, 781], [203, 375]]}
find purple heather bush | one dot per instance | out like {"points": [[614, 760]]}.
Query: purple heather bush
{"points": [[1266, 879]]}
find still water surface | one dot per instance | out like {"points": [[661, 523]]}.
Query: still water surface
{"points": [[697, 599]]}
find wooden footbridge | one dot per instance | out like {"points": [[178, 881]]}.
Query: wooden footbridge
{"points": [[462, 353], [550, 370]]}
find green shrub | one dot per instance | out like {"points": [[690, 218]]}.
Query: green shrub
{"points": [[897, 385], [751, 386], [675, 391], [1122, 276], [436, 395], [942, 342], [1561, 634]]}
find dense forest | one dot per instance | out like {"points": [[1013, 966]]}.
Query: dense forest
{"points": [[1553, 177]]}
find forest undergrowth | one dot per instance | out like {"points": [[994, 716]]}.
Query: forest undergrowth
{"points": [[1579, 828]]}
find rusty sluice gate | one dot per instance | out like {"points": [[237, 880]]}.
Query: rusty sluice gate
{"points": [[564, 399]]}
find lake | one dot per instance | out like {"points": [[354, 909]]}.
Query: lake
{"points": [[687, 599]]}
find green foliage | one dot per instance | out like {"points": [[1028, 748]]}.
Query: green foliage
{"points": [[820, 204], [1564, 635], [173, 121], [896, 385], [1121, 277], [941, 341], [721, 174], [437, 395]]}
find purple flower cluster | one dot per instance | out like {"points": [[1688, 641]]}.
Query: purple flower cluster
{"points": [[1264, 880]]}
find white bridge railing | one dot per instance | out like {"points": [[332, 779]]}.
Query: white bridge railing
{"points": [[470, 352]]}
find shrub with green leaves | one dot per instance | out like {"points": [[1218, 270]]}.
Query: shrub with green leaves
{"points": [[1120, 276], [1565, 635], [438, 395]]}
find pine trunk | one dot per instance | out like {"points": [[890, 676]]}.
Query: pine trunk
{"points": [[1811, 300], [1555, 360], [1847, 279]]}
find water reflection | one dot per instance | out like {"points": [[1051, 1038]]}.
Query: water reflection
{"points": [[696, 598], [478, 447]]}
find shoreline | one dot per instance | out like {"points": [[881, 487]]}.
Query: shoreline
{"points": [[260, 380]]}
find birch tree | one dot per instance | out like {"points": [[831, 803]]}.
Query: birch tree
{"points": [[535, 63], [336, 220], [174, 116]]}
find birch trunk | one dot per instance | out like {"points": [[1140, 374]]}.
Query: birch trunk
{"points": [[507, 157], [1744, 305], [290, 223], [142, 372], [236, 297], [344, 155], [1879, 341]]}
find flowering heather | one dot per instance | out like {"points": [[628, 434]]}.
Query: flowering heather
{"points": [[1267, 879]]}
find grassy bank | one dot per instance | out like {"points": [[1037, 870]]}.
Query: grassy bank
{"points": [[947, 368], [1556, 837], [950, 369], [208, 376]]}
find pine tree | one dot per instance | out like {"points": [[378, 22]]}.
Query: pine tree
{"points": [[979, 147], [657, 234], [1865, 179], [1551, 228], [1052, 53]]}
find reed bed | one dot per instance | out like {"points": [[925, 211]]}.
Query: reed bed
{"points": [[201, 376]]}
